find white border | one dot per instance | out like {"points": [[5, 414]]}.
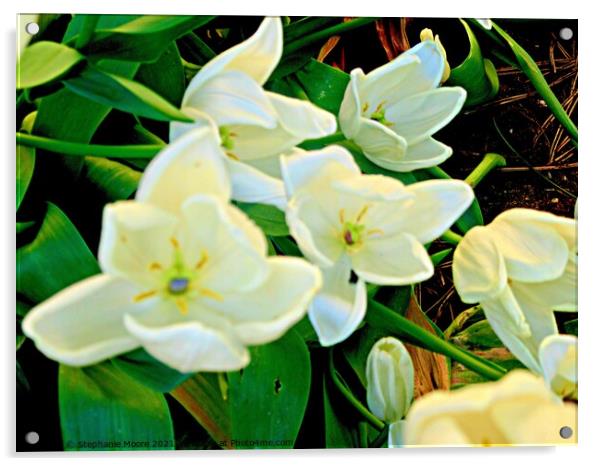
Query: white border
{"points": [[589, 213]]}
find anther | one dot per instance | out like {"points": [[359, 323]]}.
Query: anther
{"points": [[144, 295]]}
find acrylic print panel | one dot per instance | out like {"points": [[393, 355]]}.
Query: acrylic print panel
{"points": [[317, 232]]}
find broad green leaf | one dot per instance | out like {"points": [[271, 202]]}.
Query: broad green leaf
{"points": [[269, 396], [440, 256], [286, 246], [306, 330], [357, 347], [336, 432], [475, 74], [269, 218], [104, 22], [143, 39], [43, 62], [141, 366], [56, 258], [115, 180], [165, 76], [478, 335], [26, 158], [101, 408], [123, 94], [204, 397], [323, 84]]}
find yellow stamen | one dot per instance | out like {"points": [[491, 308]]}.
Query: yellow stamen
{"points": [[202, 261], [182, 305], [232, 156], [361, 214], [144, 295], [155, 266], [375, 231], [342, 216], [365, 107], [211, 294], [175, 243]]}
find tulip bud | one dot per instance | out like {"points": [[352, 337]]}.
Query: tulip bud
{"points": [[390, 376]]}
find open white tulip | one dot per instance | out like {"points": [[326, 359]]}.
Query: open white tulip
{"points": [[185, 275], [373, 225], [390, 378], [521, 268], [393, 111], [558, 359], [255, 126], [516, 410]]}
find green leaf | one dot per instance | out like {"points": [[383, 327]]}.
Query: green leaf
{"points": [[478, 335], [475, 74], [56, 258], [165, 76], [143, 39], [357, 347], [269, 218], [141, 366], [286, 246], [26, 159], [337, 433], [123, 94], [115, 180], [43, 62], [101, 408], [269, 396], [571, 327], [323, 84]]}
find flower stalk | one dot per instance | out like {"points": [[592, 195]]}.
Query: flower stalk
{"points": [[490, 161]]}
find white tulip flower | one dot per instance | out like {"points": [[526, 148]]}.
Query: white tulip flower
{"points": [[255, 126], [521, 268], [185, 275], [558, 359], [517, 410], [393, 111], [390, 378], [373, 225]]}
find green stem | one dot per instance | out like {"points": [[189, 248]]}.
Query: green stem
{"points": [[490, 161], [87, 31], [312, 144], [382, 437], [360, 408], [304, 26], [326, 33], [137, 151], [200, 47], [363, 431], [451, 237], [379, 315], [438, 173], [460, 320]]}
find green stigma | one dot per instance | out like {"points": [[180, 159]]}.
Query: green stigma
{"points": [[352, 233], [380, 117], [226, 137]]}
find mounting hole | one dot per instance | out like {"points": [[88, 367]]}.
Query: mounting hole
{"points": [[566, 432], [566, 33], [32, 28], [32, 437]]}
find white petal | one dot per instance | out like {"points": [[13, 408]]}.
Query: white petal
{"points": [[134, 236], [188, 345], [350, 111], [373, 188], [234, 248], [558, 359], [233, 98], [396, 432], [425, 154], [386, 83], [257, 56], [251, 185], [533, 251], [397, 259], [83, 323], [266, 312], [192, 164], [379, 142], [436, 206], [478, 267], [315, 226], [201, 120], [339, 307], [269, 165], [419, 116], [426, 76], [319, 166]]}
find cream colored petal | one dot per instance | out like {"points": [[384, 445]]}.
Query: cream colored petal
{"points": [[192, 164], [187, 345], [233, 98], [83, 323], [396, 433], [350, 111], [419, 116], [441, 432], [373, 188], [377, 141], [230, 248], [134, 236], [257, 56], [425, 154], [201, 120], [478, 267], [320, 167], [266, 312], [397, 259], [252, 185], [339, 307], [558, 359]]}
